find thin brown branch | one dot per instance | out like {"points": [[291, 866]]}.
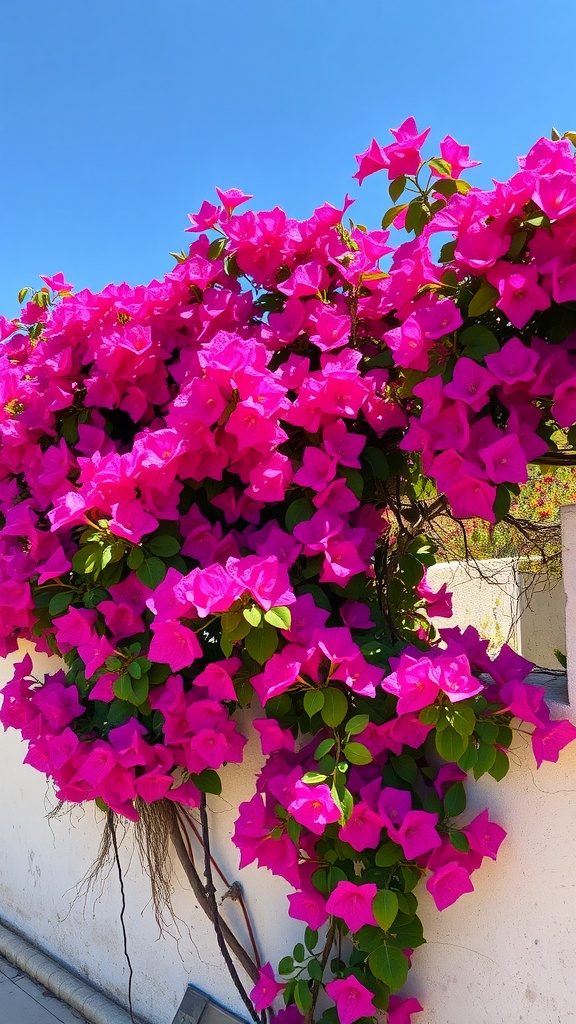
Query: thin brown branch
{"points": [[199, 891], [210, 891], [229, 886], [316, 984]]}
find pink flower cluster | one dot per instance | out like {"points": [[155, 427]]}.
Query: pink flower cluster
{"points": [[194, 492], [516, 241]]}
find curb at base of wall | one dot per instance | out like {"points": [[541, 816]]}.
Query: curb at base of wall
{"points": [[81, 996]]}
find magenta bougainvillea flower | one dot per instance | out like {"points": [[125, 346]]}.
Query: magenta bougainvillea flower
{"points": [[353, 903], [266, 989], [400, 1010], [353, 1000], [448, 883]]}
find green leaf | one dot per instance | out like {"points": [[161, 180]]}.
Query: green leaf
{"points": [[240, 631], [133, 691], [286, 965], [315, 970], [440, 165], [405, 766], [151, 572], [484, 299], [298, 512], [429, 715], [324, 748], [385, 908], [107, 555], [455, 800], [500, 767], [357, 724], [389, 965], [226, 645], [388, 854], [462, 718], [410, 878], [299, 953], [357, 753], [207, 781], [505, 736], [313, 778], [468, 759], [561, 658], [447, 252], [216, 248], [459, 842], [410, 935], [253, 615], [335, 707], [486, 758], [279, 617], [163, 545], [244, 691], [294, 830], [487, 731], [95, 597], [353, 479], [22, 295], [87, 559], [396, 188], [416, 215], [135, 557], [313, 701], [391, 215], [135, 670], [310, 939], [261, 643], [502, 502], [478, 342], [450, 744], [319, 880], [517, 243], [278, 707], [377, 461], [368, 938], [538, 220], [302, 996], [230, 620], [60, 602], [446, 187]]}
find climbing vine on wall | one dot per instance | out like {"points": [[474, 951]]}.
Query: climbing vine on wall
{"points": [[218, 491]]}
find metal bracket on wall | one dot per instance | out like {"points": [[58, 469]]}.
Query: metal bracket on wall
{"points": [[198, 1008]]}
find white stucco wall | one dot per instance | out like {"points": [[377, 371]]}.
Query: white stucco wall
{"points": [[484, 594], [526, 610]]}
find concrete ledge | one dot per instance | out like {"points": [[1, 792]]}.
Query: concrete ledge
{"points": [[93, 1005]]}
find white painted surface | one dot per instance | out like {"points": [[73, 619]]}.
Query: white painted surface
{"points": [[568, 521], [542, 619], [484, 594], [526, 610]]}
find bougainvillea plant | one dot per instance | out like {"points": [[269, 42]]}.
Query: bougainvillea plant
{"points": [[215, 492]]}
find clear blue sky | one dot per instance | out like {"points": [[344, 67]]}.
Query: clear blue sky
{"points": [[118, 117]]}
